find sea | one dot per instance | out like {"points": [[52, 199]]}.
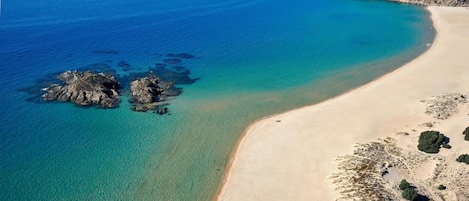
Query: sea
{"points": [[248, 59]]}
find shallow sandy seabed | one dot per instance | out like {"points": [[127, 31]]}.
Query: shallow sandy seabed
{"points": [[290, 156]]}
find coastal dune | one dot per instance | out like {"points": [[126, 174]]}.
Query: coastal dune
{"points": [[290, 156]]}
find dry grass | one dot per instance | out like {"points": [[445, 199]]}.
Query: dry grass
{"points": [[443, 107]]}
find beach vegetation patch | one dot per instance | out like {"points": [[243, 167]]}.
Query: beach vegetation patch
{"points": [[431, 141], [410, 193], [441, 187], [444, 106], [463, 158], [466, 134], [404, 185], [360, 175], [367, 173]]}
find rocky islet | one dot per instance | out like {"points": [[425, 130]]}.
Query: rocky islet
{"points": [[149, 92], [100, 85], [85, 89]]}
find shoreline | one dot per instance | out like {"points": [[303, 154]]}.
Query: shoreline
{"points": [[246, 131], [238, 164]]}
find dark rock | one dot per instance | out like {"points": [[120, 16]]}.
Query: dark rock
{"points": [[172, 61], [106, 52], [124, 65], [179, 68], [173, 76], [160, 65], [180, 55], [139, 108], [99, 68], [36, 90], [85, 89], [162, 111]]}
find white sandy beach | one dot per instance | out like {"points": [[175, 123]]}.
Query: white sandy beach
{"points": [[292, 159]]}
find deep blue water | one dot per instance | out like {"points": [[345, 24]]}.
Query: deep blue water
{"points": [[254, 58]]}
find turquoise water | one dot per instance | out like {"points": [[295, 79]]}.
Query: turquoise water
{"points": [[254, 58]]}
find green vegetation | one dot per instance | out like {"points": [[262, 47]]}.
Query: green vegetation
{"points": [[410, 194], [463, 158], [404, 185], [431, 141], [466, 134], [441, 187]]}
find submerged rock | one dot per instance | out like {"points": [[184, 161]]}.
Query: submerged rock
{"points": [[172, 61], [99, 68], [160, 65], [173, 76], [180, 55], [85, 89], [179, 68], [103, 51], [124, 65]]}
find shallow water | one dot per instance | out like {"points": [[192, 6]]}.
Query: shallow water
{"points": [[254, 58]]}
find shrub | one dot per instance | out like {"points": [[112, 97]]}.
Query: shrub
{"points": [[466, 134], [463, 158], [404, 185], [441, 187], [431, 141], [447, 146], [409, 194]]}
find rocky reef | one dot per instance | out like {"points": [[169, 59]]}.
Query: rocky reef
{"points": [[451, 3], [105, 51], [124, 65], [102, 85], [181, 55], [85, 89], [150, 93]]}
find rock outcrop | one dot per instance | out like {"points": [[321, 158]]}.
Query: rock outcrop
{"points": [[99, 84], [85, 89], [150, 93], [451, 3]]}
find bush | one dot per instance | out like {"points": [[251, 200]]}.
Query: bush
{"points": [[431, 141], [441, 187], [466, 133], [404, 185], [447, 146], [409, 194], [463, 158]]}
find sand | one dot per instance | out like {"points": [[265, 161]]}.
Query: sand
{"points": [[290, 156]]}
